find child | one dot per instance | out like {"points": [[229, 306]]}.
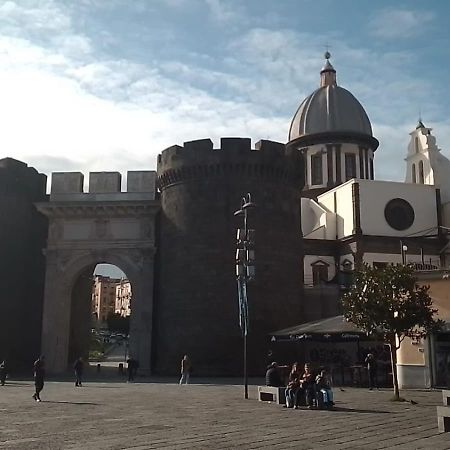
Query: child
{"points": [[324, 389]]}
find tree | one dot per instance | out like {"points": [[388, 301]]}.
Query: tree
{"points": [[117, 323], [390, 303]]}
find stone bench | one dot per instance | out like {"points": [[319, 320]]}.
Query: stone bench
{"points": [[443, 413], [271, 394], [446, 397]]}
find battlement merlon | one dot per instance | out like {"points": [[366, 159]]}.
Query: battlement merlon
{"points": [[231, 149], [106, 186]]}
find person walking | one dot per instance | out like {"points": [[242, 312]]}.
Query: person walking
{"points": [[39, 375], [78, 369], [186, 369], [371, 364], [3, 372], [132, 366]]}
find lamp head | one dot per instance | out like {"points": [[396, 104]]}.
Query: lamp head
{"points": [[248, 205]]}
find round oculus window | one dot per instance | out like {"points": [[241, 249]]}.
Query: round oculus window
{"points": [[399, 214]]}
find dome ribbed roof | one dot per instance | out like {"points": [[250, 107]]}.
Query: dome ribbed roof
{"points": [[329, 109]]}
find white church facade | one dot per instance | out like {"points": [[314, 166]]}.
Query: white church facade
{"points": [[349, 218]]}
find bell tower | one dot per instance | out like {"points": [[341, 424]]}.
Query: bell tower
{"points": [[424, 162], [421, 160]]}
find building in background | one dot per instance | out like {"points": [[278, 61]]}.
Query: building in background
{"points": [[123, 298], [104, 298]]}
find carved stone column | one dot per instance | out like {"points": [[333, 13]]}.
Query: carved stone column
{"points": [[56, 316], [141, 318]]}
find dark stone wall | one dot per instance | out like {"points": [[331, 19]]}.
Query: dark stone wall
{"points": [[23, 234], [196, 308]]}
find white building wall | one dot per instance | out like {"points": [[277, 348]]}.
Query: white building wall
{"points": [[374, 195], [343, 208]]}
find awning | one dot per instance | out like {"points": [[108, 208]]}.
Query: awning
{"points": [[332, 329]]}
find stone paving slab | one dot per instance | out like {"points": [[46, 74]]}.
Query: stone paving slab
{"points": [[140, 416]]}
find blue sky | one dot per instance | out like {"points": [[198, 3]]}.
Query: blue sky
{"points": [[108, 84]]}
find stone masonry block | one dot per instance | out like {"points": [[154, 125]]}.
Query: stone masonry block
{"points": [[235, 143], [67, 182], [104, 182], [141, 181], [200, 144], [273, 146]]}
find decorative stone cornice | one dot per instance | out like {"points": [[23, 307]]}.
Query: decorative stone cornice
{"points": [[100, 209]]}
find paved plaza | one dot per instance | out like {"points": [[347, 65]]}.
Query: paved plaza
{"points": [[161, 414]]}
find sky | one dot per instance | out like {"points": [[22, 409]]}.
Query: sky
{"points": [[98, 85]]}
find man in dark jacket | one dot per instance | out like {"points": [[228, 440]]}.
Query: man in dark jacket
{"points": [[39, 374], [3, 372], [78, 368], [273, 377], [372, 368], [132, 367]]}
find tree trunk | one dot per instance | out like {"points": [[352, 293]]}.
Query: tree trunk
{"points": [[393, 349]]}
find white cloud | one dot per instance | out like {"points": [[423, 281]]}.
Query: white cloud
{"points": [[223, 12], [392, 23], [65, 106], [29, 16]]}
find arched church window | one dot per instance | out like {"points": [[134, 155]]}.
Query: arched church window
{"points": [[316, 169], [421, 176], [350, 166], [416, 144], [414, 173]]}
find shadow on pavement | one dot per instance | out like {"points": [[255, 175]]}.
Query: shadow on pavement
{"points": [[70, 403], [361, 411]]}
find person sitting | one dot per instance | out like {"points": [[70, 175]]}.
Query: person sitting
{"points": [[293, 387], [273, 377], [308, 385], [324, 392]]}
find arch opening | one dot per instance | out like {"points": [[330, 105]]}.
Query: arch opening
{"points": [[100, 313]]}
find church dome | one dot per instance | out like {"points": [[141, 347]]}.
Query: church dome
{"points": [[330, 111]]}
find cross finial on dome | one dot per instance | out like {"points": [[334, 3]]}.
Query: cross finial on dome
{"points": [[328, 73]]}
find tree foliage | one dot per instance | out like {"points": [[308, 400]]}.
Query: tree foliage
{"points": [[390, 303], [117, 323]]}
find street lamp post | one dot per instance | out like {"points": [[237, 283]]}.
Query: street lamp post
{"points": [[245, 271]]}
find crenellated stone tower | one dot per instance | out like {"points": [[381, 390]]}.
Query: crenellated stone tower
{"points": [[197, 308], [23, 234]]}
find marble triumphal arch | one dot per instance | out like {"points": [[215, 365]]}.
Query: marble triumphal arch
{"points": [[102, 225]]}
